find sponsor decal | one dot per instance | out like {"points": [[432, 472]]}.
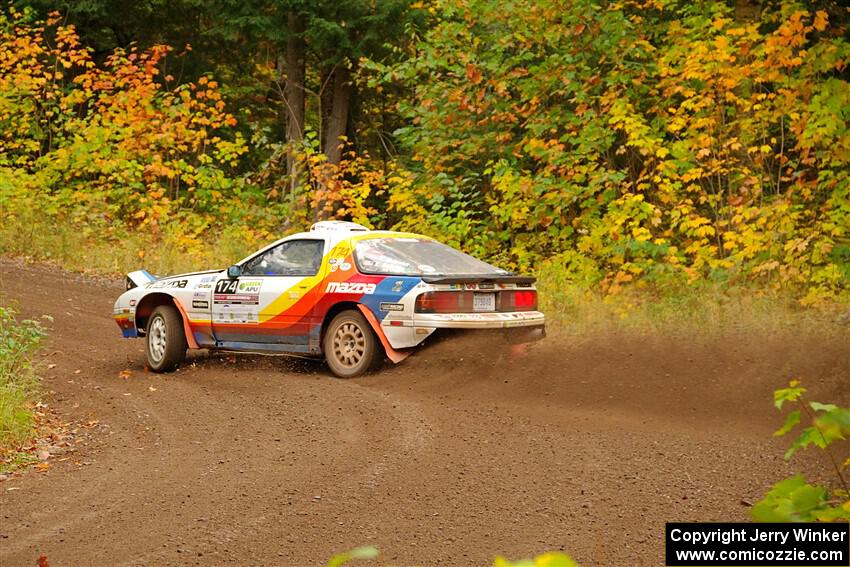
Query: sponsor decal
{"points": [[470, 286], [132, 302], [237, 292], [397, 286], [204, 286], [200, 304], [167, 284], [392, 307], [350, 287], [486, 286], [236, 299], [206, 279], [339, 264], [238, 286], [249, 286], [236, 317]]}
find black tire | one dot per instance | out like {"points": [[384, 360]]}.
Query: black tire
{"points": [[350, 345], [166, 341]]}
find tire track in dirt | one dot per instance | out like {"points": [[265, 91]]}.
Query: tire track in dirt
{"points": [[459, 453]]}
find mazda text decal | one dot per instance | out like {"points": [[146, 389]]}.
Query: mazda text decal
{"points": [[168, 283], [348, 287]]}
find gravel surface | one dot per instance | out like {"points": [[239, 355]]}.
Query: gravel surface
{"points": [[464, 451]]}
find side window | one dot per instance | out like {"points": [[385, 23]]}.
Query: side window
{"points": [[293, 258]]}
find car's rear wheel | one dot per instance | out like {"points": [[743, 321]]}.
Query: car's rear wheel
{"points": [[166, 340], [351, 347]]}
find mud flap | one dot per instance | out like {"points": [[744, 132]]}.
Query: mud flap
{"points": [[187, 330], [395, 355]]}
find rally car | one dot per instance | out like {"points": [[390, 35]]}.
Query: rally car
{"points": [[341, 291]]}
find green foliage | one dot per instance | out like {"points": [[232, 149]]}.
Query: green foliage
{"points": [[648, 144], [641, 140], [341, 559], [115, 144], [550, 559], [793, 499], [19, 340]]}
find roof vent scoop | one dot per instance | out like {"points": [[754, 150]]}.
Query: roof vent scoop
{"points": [[337, 226]]}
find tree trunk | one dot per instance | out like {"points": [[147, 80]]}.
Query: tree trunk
{"points": [[294, 94], [338, 119], [325, 100], [746, 10]]}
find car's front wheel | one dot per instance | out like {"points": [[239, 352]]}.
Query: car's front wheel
{"points": [[351, 347], [166, 340]]}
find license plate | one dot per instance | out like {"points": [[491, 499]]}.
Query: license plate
{"points": [[484, 302]]}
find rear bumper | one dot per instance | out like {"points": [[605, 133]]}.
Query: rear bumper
{"points": [[480, 320], [518, 327]]}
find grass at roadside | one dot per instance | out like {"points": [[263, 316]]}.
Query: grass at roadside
{"points": [[701, 308], [574, 307], [98, 247], [19, 383]]}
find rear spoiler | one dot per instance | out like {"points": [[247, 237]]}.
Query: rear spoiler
{"points": [[479, 279]]}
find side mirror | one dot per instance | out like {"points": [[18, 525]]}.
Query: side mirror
{"points": [[234, 272]]}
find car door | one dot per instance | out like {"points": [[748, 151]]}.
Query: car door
{"points": [[271, 302]]}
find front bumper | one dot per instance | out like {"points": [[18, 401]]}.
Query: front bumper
{"points": [[127, 322]]}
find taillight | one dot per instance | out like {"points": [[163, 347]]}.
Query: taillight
{"points": [[519, 300], [463, 301], [443, 302]]}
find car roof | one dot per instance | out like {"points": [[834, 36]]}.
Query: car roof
{"points": [[334, 232]]}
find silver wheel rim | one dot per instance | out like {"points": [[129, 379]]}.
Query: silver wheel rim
{"points": [[156, 339], [349, 345]]}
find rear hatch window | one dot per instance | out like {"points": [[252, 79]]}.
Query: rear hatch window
{"points": [[417, 257]]}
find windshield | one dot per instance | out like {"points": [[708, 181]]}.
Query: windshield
{"points": [[417, 257]]}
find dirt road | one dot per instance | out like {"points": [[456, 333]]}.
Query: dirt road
{"points": [[453, 456]]}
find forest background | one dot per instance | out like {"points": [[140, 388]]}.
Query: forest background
{"points": [[635, 152]]}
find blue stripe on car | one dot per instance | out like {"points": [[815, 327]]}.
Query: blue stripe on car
{"points": [[384, 293]]}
